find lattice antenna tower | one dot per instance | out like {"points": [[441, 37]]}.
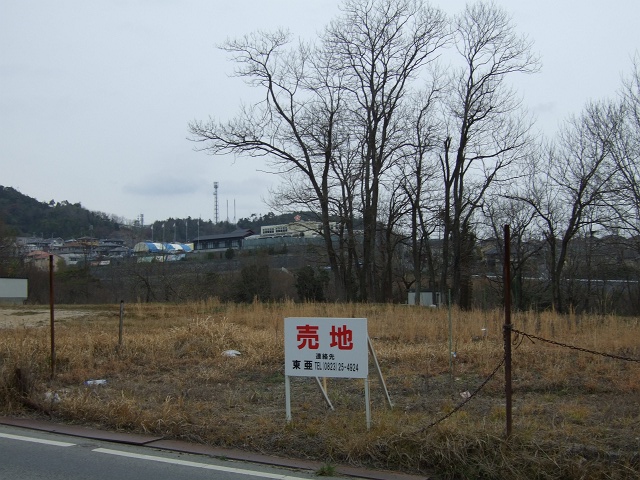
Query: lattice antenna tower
{"points": [[215, 202]]}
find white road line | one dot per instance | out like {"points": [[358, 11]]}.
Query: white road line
{"points": [[36, 440], [197, 465]]}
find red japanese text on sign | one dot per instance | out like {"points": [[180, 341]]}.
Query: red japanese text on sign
{"points": [[341, 337], [308, 336]]}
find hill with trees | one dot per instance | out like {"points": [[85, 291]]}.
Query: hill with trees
{"points": [[23, 216]]}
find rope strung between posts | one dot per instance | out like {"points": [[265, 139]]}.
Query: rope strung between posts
{"points": [[531, 337], [466, 400]]}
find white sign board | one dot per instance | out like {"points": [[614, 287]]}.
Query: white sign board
{"points": [[326, 347], [14, 290]]}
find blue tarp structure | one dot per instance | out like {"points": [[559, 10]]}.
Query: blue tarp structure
{"points": [[162, 248]]}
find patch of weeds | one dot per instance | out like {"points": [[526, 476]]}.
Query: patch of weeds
{"points": [[326, 470], [276, 378], [498, 413], [577, 414]]}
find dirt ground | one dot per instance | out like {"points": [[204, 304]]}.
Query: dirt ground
{"points": [[12, 317]]}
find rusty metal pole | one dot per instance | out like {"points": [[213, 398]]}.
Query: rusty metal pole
{"points": [[52, 318], [507, 327], [121, 324]]}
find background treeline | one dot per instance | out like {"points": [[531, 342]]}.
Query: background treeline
{"points": [[601, 276], [244, 278]]}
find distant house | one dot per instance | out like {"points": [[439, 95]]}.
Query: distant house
{"points": [[223, 241], [40, 260], [32, 244], [113, 248], [74, 247], [289, 234], [294, 229]]}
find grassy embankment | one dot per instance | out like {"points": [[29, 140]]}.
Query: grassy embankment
{"points": [[576, 415]]}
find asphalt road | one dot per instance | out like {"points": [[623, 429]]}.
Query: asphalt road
{"points": [[28, 455]]}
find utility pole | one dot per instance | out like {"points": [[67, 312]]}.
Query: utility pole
{"points": [[215, 202]]}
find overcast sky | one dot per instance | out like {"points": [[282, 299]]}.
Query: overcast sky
{"points": [[95, 97]]}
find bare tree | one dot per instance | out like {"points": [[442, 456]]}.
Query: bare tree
{"points": [[394, 208], [486, 129], [327, 105], [569, 188], [294, 127], [380, 45], [503, 209], [625, 198], [626, 150], [418, 168]]}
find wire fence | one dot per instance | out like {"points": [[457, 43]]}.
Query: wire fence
{"points": [[532, 337], [469, 398], [520, 336], [509, 339]]}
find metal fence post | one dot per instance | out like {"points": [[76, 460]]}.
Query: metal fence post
{"points": [[120, 326], [507, 327], [52, 318]]}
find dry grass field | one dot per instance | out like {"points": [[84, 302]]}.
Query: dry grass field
{"points": [[575, 414]]}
